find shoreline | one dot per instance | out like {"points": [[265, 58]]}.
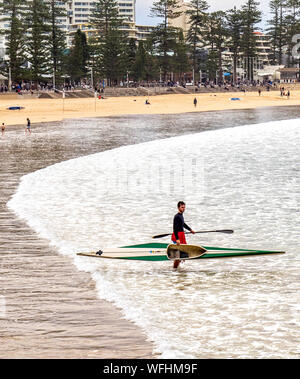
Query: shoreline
{"points": [[58, 110], [13, 248], [52, 310]]}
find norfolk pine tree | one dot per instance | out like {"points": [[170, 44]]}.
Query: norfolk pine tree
{"points": [[131, 56], [251, 16], [216, 37], [105, 16], [38, 28], [110, 44], [292, 28], [12, 13], [138, 69], [79, 57], [56, 42], [164, 35], [181, 58], [151, 64], [234, 21], [198, 17], [277, 30]]}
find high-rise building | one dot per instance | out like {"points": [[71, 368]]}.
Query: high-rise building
{"points": [[183, 21], [79, 13]]}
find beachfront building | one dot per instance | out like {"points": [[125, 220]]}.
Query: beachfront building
{"points": [[137, 32], [269, 74], [79, 13], [182, 22], [263, 46], [261, 62], [289, 75], [142, 32]]}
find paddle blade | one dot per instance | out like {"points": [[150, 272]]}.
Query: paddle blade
{"points": [[161, 236]]}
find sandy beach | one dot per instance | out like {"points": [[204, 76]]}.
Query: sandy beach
{"points": [[48, 110]]}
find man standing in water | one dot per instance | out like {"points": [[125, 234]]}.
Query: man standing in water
{"points": [[179, 225]]}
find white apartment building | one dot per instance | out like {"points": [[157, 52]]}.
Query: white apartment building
{"points": [[79, 12]]}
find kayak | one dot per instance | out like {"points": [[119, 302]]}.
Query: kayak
{"points": [[162, 252]]}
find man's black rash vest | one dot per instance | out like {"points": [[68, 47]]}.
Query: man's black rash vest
{"points": [[179, 225]]}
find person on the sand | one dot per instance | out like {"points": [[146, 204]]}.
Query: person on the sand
{"points": [[28, 127]]}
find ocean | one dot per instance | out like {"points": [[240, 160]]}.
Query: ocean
{"points": [[237, 170]]}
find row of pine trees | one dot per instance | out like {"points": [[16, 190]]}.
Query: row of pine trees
{"points": [[36, 45], [33, 39]]}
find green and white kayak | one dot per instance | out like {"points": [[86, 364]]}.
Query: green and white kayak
{"points": [[161, 252]]}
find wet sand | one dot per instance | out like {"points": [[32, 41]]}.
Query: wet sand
{"points": [[51, 309]]}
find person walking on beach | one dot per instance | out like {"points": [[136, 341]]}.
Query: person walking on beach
{"points": [[195, 102], [2, 129], [28, 127], [178, 236]]}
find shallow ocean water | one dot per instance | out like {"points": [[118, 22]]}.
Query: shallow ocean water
{"points": [[245, 178]]}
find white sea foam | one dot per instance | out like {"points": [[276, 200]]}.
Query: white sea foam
{"points": [[2, 307], [245, 178]]}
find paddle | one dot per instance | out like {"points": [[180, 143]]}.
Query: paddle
{"points": [[226, 231]]}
